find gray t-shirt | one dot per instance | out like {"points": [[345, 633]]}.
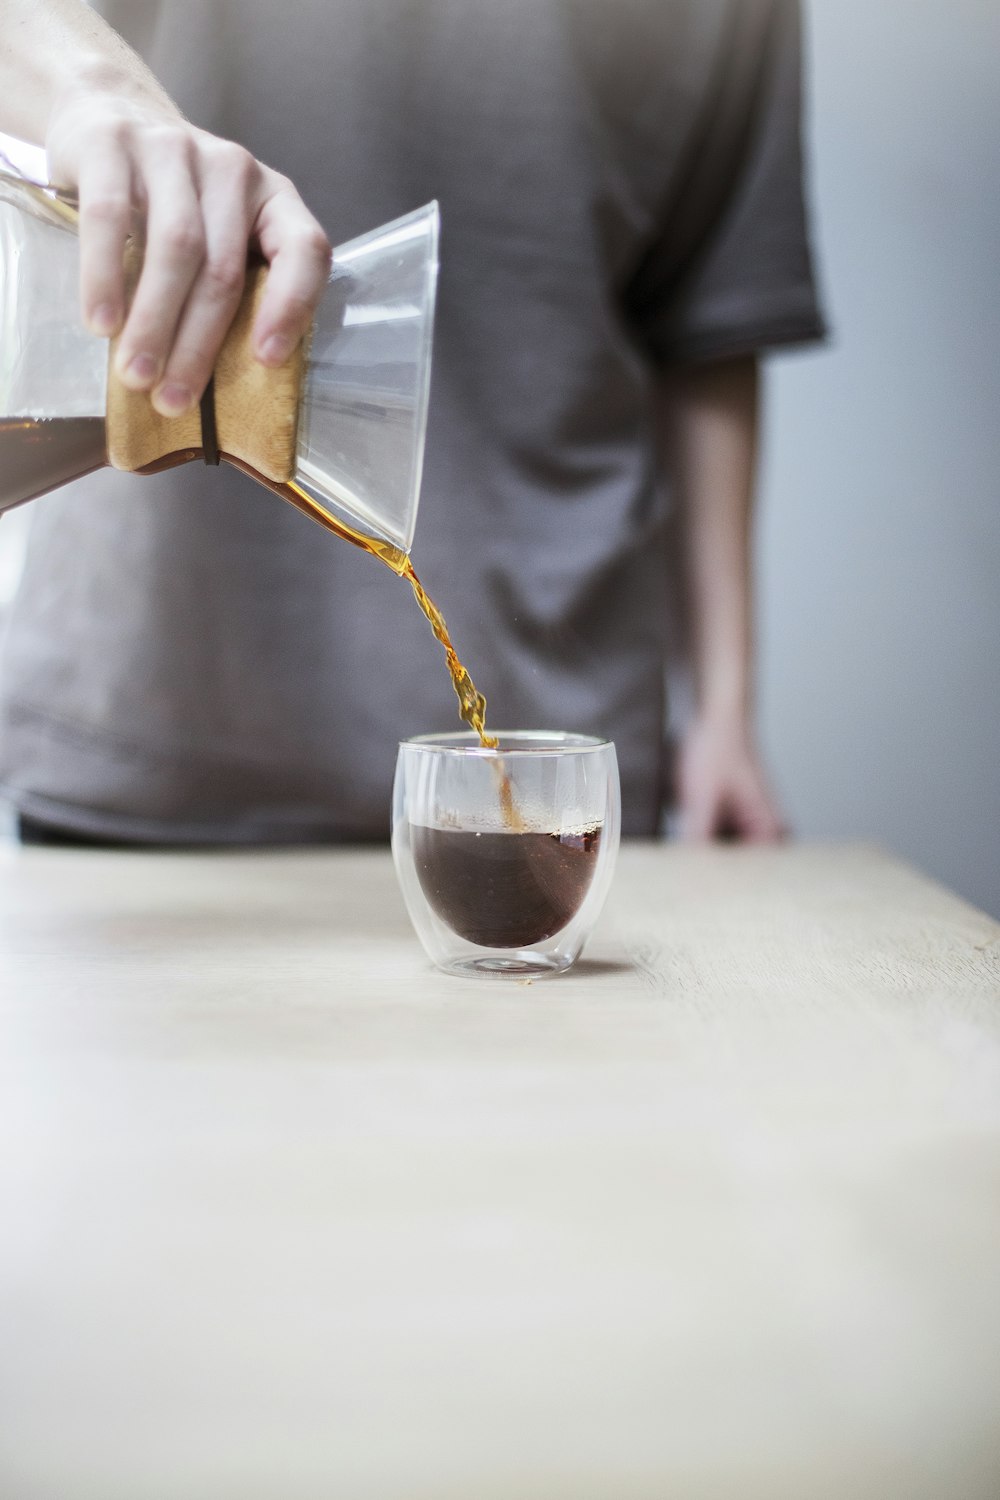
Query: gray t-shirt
{"points": [[620, 189]]}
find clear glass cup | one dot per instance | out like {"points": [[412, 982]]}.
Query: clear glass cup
{"points": [[505, 856]]}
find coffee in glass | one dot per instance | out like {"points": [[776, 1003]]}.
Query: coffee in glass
{"points": [[505, 853]]}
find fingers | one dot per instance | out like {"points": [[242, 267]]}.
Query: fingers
{"points": [[205, 201], [754, 812], [763, 823], [175, 251], [105, 195], [299, 255], [754, 820], [204, 210], [742, 812], [214, 295], [232, 185]]}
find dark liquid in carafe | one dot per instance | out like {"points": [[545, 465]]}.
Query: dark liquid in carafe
{"points": [[506, 889], [39, 455]]}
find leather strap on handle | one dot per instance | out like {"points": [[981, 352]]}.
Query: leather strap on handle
{"points": [[256, 408], [209, 432]]}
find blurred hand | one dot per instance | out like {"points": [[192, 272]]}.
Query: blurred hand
{"points": [[205, 203], [722, 791]]}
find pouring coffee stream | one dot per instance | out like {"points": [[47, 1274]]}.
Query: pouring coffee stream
{"points": [[471, 702]]}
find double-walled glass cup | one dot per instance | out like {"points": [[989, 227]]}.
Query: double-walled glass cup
{"points": [[505, 856]]}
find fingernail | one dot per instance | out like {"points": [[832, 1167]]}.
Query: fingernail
{"points": [[143, 368], [170, 400], [276, 349], [104, 320]]}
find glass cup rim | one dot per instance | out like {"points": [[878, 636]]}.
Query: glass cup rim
{"points": [[539, 742]]}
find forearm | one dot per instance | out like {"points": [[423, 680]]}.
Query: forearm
{"points": [[708, 420], [51, 47], [708, 417]]}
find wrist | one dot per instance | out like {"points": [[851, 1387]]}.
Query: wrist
{"points": [[725, 717], [722, 656], [724, 699], [114, 83]]}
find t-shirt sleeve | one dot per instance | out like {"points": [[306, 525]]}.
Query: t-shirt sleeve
{"points": [[730, 271]]}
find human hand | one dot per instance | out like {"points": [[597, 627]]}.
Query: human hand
{"points": [[722, 790], [204, 203]]}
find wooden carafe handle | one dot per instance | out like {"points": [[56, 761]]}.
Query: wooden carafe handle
{"points": [[256, 408]]}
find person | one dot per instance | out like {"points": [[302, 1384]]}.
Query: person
{"points": [[624, 234]]}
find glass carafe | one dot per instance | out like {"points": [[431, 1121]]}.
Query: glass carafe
{"points": [[339, 431]]}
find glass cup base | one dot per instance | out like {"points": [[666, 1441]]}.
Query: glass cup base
{"points": [[508, 966]]}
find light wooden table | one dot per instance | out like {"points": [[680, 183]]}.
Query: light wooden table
{"points": [[286, 1216]]}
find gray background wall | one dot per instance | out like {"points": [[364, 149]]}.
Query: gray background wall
{"points": [[880, 523]]}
